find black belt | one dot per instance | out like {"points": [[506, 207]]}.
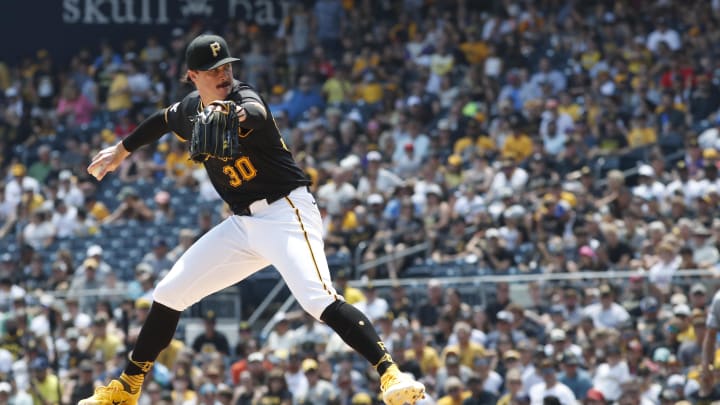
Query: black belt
{"points": [[245, 210]]}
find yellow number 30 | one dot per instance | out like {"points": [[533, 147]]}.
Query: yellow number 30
{"points": [[241, 170]]}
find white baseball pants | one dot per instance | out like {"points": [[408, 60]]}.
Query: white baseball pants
{"points": [[286, 234]]}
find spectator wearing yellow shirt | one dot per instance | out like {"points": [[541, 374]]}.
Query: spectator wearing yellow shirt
{"points": [[474, 49], [97, 209], [466, 349], [101, 341], [178, 165], [454, 392], [569, 107], [367, 59], [454, 174], [686, 331], [338, 89], [370, 90], [441, 64], [352, 295], [518, 146], [118, 99], [44, 385], [640, 133], [426, 356]]}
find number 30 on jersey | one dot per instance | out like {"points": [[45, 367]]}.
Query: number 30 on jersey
{"points": [[241, 170]]}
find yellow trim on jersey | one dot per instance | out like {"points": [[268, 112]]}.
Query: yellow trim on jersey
{"points": [[312, 254]]}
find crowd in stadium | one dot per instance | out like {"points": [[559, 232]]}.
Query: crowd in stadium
{"points": [[513, 137]]}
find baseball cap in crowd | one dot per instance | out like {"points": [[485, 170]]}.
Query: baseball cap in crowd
{"points": [[90, 263], [669, 394], [224, 389], [605, 289], [40, 363], [72, 334], [207, 389], [361, 398], [676, 380], [65, 175], [646, 170], [556, 309], [125, 192], [207, 52], [18, 169], [210, 316], [453, 383], [309, 364], [512, 355], [678, 299], [94, 250], [256, 357], [374, 199], [570, 359], [594, 394], [557, 335], [142, 303], [373, 156], [505, 316], [452, 359], [587, 251], [649, 304], [698, 288], [86, 365], [681, 310], [661, 355]]}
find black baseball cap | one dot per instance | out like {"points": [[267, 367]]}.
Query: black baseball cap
{"points": [[207, 52]]}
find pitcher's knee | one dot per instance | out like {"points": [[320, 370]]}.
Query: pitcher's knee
{"points": [[169, 296], [316, 305]]}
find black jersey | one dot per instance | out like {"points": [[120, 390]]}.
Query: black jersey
{"points": [[265, 168]]}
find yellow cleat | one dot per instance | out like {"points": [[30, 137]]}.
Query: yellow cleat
{"points": [[114, 393], [399, 389]]}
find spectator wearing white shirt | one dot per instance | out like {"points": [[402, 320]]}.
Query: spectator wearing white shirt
{"points": [[550, 386], [64, 219], [376, 178], [509, 175], [648, 185], [412, 136], [311, 331], [294, 376], [491, 380], [334, 192], [665, 34], [40, 232], [661, 272], [547, 75], [469, 202], [606, 313], [373, 306], [705, 253], [612, 374], [18, 184], [68, 189], [280, 338]]}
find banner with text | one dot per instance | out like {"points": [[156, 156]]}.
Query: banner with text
{"points": [[64, 26]]}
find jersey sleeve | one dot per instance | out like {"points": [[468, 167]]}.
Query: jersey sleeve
{"points": [[247, 94], [178, 116], [713, 316]]}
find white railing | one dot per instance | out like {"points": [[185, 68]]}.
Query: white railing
{"points": [[512, 280]]}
